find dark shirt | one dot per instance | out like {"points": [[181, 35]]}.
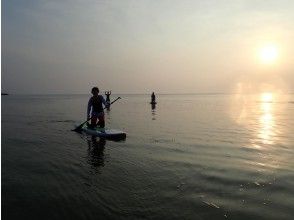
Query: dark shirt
{"points": [[95, 104]]}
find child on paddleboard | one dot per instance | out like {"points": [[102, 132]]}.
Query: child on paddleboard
{"points": [[95, 109], [108, 93]]}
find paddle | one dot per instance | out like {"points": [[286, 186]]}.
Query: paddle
{"points": [[79, 128]]}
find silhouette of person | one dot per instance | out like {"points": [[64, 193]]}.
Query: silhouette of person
{"points": [[95, 109], [108, 93], [153, 98]]}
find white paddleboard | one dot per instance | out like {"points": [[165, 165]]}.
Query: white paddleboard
{"points": [[105, 133]]}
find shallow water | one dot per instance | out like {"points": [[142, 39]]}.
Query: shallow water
{"points": [[191, 157]]}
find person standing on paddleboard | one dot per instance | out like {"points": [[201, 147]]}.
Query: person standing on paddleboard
{"points": [[95, 109], [108, 93], [153, 98]]}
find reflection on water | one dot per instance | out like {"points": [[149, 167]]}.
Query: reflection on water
{"points": [[153, 111], [258, 114], [262, 116], [96, 151], [266, 120]]}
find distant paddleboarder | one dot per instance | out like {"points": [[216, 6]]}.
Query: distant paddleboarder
{"points": [[108, 93], [153, 98]]}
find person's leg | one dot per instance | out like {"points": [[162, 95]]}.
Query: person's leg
{"points": [[101, 121], [93, 121]]}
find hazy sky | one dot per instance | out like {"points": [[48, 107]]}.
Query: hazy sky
{"points": [[139, 46]]}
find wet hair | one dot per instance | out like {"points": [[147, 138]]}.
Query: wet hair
{"points": [[95, 89]]}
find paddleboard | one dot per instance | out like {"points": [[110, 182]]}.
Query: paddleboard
{"points": [[105, 133], [153, 103]]}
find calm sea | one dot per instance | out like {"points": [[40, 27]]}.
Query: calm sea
{"points": [[190, 157]]}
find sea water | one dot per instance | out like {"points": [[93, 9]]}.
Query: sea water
{"points": [[202, 156]]}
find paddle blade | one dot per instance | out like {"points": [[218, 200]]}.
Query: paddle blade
{"points": [[79, 128]]}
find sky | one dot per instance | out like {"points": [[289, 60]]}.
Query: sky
{"points": [[140, 46]]}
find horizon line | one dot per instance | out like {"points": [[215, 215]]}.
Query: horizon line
{"points": [[188, 93]]}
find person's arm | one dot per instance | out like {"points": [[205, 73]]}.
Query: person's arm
{"points": [[89, 108]]}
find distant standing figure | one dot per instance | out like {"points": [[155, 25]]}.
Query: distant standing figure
{"points": [[108, 93], [153, 98]]}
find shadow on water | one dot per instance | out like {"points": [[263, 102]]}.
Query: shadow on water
{"points": [[96, 148]]}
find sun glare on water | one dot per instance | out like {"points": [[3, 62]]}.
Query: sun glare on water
{"points": [[267, 97], [268, 54]]}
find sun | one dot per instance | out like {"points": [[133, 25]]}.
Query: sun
{"points": [[268, 54]]}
